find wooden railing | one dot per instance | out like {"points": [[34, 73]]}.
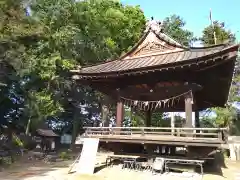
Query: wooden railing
{"points": [[214, 133]]}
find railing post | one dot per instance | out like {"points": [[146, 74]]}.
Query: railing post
{"points": [[109, 131], [220, 135], [178, 132], [87, 132], [225, 135], [172, 123], [194, 132], [142, 131]]}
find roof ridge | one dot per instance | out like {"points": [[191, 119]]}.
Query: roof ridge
{"points": [[155, 54], [177, 51]]}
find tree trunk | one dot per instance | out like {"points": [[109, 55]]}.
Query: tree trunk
{"points": [[28, 126], [76, 124]]}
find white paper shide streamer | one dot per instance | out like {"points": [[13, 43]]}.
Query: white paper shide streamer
{"points": [[152, 105]]}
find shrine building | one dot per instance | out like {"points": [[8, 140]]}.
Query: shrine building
{"points": [[160, 74]]}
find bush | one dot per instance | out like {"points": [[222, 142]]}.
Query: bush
{"points": [[64, 155], [5, 160], [28, 142], [17, 141]]}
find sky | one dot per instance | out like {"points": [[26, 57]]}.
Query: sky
{"points": [[194, 12]]}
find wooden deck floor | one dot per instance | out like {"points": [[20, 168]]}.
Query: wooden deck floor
{"points": [[159, 139], [209, 137]]}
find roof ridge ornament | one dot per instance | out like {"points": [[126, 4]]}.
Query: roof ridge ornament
{"points": [[154, 25]]}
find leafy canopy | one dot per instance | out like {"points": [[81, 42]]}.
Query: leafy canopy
{"points": [[43, 47], [222, 34], [174, 27]]}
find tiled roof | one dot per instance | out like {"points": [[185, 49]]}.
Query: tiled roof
{"points": [[155, 51], [157, 60], [46, 133]]}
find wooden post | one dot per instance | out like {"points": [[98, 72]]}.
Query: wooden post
{"points": [[120, 113], [197, 120], [172, 122], [148, 115], [188, 110]]}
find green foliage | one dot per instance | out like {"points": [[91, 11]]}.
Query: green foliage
{"points": [[157, 119], [6, 161], [42, 48], [225, 116], [90, 31], [222, 34], [40, 105], [136, 118], [174, 27], [64, 155], [17, 141]]}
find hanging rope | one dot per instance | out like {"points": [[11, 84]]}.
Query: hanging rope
{"points": [[151, 105]]}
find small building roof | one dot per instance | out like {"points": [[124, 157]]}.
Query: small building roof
{"points": [[44, 130], [46, 133]]}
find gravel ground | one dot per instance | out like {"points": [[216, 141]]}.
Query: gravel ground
{"points": [[30, 170]]}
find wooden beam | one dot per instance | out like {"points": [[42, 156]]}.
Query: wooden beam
{"points": [[197, 120]]}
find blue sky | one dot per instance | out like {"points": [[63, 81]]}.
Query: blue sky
{"points": [[195, 13]]}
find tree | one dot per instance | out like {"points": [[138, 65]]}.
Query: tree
{"points": [[43, 47], [134, 118], [36, 70], [174, 27], [39, 107], [89, 32], [222, 34]]}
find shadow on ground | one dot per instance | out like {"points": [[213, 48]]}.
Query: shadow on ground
{"points": [[215, 167], [211, 167], [99, 168], [23, 169]]}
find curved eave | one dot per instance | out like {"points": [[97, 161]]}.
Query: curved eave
{"points": [[187, 59]]}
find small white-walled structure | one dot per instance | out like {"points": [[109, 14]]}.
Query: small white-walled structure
{"points": [[66, 139], [79, 140]]}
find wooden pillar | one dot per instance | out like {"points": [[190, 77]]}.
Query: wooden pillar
{"points": [[120, 114], [148, 115], [172, 122], [188, 110], [197, 120]]}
